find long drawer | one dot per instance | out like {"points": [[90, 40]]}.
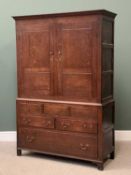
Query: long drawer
{"points": [[70, 144]]}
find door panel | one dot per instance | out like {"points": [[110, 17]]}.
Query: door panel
{"points": [[74, 85], [77, 55], [37, 84], [38, 45], [36, 60], [76, 49]]}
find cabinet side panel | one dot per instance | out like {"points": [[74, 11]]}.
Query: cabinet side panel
{"points": [[108, 128], [107, 58], [108, 31]]}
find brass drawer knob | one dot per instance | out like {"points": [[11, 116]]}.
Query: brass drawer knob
{"points": [[51, 53], [65, 125], [85, 125], [84, 147], [59, 52], [26, 121], [30, 139], [47, 123]]}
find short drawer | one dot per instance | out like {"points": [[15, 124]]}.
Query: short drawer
{"points": [[55, 109], [68, 144], [42, 122], [29, 108], [66, 124]]}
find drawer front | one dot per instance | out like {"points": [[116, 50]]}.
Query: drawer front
{"points": [[89, 112], [83, 146], [26, 108], [43, 122], [76, 125], [56, 110]]}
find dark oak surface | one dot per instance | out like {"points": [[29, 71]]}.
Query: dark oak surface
{"points": [[81, 13], [65, 70]]}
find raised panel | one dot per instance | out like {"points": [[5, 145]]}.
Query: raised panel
{"points": [[77, 50], [108, 116], [108, 143], [36, 49], [107, 85], [37, 84], [107, 59], [77, 86], [39, 49], [107, 31]]}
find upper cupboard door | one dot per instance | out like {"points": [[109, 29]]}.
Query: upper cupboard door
{"points": [[77, 58], [35, 58]]}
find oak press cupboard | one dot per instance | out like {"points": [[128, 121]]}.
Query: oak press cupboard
{"points": [[65, 104]]}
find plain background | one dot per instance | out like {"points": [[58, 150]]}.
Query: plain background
{"points": [[8, 87]]}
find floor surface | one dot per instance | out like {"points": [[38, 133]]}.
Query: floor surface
{"points": [[38, 164]]}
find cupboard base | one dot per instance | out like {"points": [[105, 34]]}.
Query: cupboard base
{"points": [[99, 164]]}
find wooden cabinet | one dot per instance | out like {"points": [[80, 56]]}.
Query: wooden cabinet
{"points": [[65, 84]]}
